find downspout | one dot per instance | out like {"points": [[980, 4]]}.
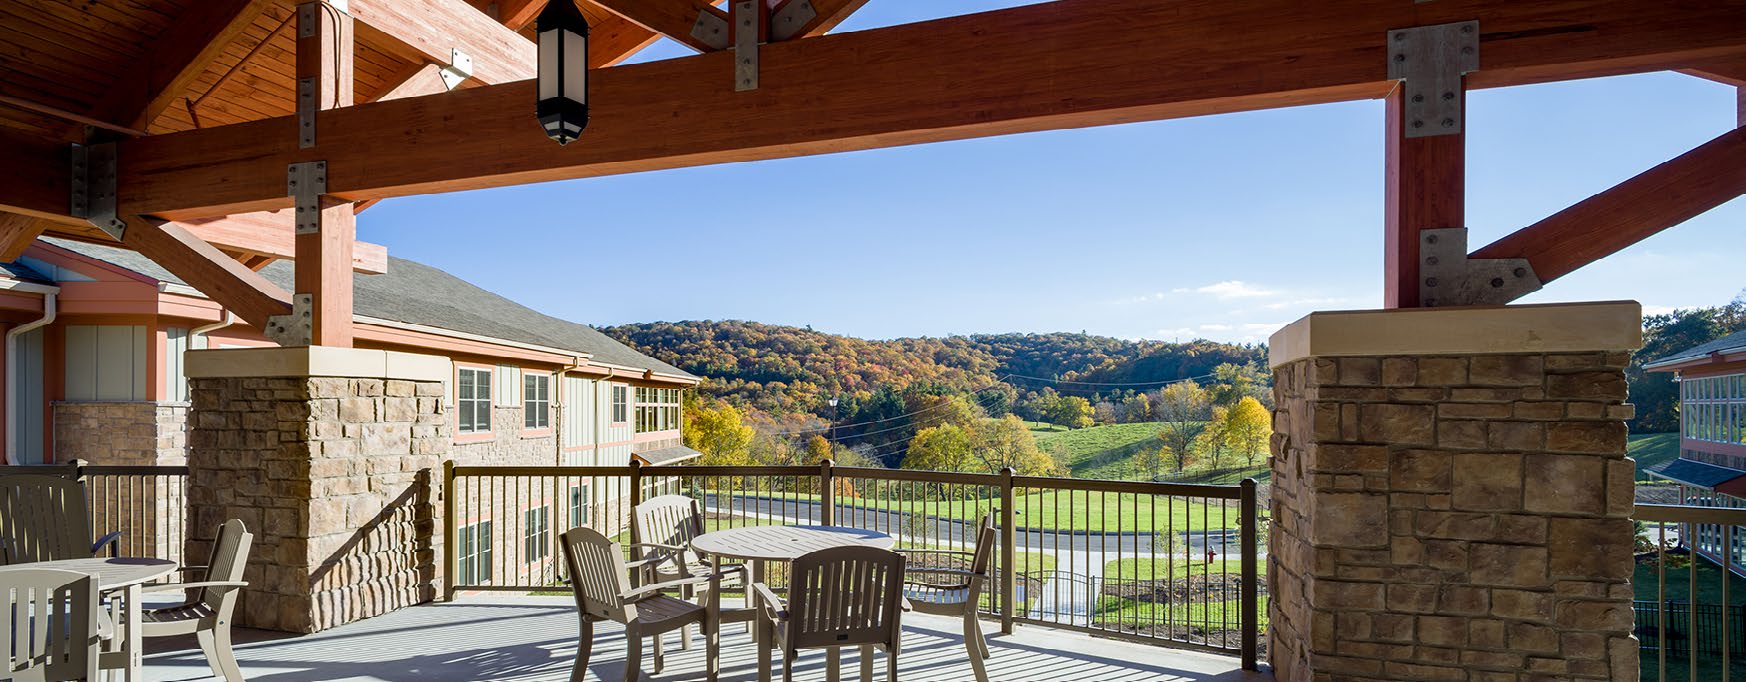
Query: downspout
{"points": [[48, 316], [228, 319], [563, 408], [602, 405]]}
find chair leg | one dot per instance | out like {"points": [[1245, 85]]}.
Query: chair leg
{"points": [[866, 663], [224, 663], [763, 645], [788, 665], [209, 648], [689, 593], [712, 650], [633, 658], [891, 665], [973, 630], [834, 664], [660, 656], [971, 637], [584, 648]]}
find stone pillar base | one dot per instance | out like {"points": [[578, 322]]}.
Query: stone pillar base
{"points": [[1451, 496], [328, 456]]}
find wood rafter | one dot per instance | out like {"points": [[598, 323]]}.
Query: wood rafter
{"points": [[204, 267], [671, 18], [829, 14], [172, 63], [17, 232], [426, 30], [270, 234], [1661, 197]]}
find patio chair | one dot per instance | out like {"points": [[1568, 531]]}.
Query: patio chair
{"points": [[662, 528], [52, 628], [207, 612], [947, 591], [837, 597], [44, 518], [600, 579]]}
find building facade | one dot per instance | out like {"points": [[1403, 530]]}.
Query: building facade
{"points": [[1711, 468]]}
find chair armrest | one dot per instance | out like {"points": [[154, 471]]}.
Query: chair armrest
{"points": [[646, 590], [769, 603], [647, 561], [170, 587], [934, 551], [944, 571], [657, 545], [192, 568], [113, 539]]}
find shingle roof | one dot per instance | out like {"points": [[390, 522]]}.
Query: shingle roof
{"points": [[1727, 344], [415, 293]]}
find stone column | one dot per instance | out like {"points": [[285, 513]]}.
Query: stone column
{"points": [[328, 456], [1451, 496]]}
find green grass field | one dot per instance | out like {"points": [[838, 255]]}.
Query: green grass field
{"points": [[1652, 450], [1217, 615], [1104, 451], [1709, 591], [1067, 510], [1151, 569]]}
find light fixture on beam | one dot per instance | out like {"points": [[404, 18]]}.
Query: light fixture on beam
{"points": [[563, 71]]}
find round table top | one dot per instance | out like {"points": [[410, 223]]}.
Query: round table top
{"points": [[784, 543], [112, 573]]}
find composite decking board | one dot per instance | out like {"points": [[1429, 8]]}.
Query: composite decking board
{"points": [[528, 639]]}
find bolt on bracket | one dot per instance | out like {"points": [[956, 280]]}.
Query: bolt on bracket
{"points": [[1430, 61], [305, 183], [459, 68], [711, 29], [746, 45], [92, 185], [790, 17], [296, 328], [1447, 277]]}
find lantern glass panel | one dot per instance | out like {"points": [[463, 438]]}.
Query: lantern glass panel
{"points": [[576, 76], [550, 65]]}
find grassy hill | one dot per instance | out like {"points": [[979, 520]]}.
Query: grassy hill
{"points": [[1652, 450], [1100, 451]]}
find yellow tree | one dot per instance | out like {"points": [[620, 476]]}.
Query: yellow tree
{"points": [[1248, 427], [946, 447], [1007, 442], [720, 435], [1212, 440]]}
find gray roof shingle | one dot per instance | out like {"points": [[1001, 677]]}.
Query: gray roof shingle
{"points": [[415, 293], [1727, 344]]}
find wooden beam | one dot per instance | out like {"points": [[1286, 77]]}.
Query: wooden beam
{"points": [[671, 18], [324, 249], [426, 30], [175, 59], [1426, 189], [1659, 198], [270, 234], [1063, 64], [17, 232], [204, 267], [518, 13], [828, 13]]}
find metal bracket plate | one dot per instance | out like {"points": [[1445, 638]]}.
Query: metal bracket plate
{"points": [[1430, 61], [745, 45], [307, 20], [93, 187], [297, 328], [1447, 277], [711, 29], [459, 68], [305, 113], [790, 18], [305, 182]]}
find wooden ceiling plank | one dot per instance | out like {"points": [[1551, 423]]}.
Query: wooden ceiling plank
{"points": [[428, 29], [671, 18], [176, 58], [1659, 198]]}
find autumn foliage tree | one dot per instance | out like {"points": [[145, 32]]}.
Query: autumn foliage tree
{"points": [[1248, 427]]}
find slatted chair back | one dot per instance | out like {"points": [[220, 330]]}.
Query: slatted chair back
{"points": [[49, 629], [668, 520], [598, 575], [845, 595], [43, 518], [984, 556], [230, 555]]}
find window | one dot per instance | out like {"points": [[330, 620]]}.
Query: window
{"points": [[657, 409], [474, 552], [619, 398], [578, 506], [473, 400], [533, 539], [1714, 408], [536, 400]]}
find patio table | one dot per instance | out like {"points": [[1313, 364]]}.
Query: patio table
{"points": [[125, 575], [758, 545]]}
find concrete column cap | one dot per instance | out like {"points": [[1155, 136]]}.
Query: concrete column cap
{"points": [[314, 361], [1472, 330]]}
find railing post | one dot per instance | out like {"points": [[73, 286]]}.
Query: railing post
{"points": [[827, 493], [1251, 604], [76, 469], [1008, 553], [451, 559], [636, 489]]}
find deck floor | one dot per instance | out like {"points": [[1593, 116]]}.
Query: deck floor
{"points": [[500, 637]]}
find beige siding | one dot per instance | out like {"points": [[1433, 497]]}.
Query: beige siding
{"points": [[175, 378], [577, 418], [106, 362], [28, 383]]}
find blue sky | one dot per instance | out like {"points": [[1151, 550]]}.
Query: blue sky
{"points": [[1223, 227]]}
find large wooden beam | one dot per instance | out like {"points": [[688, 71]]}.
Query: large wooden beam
{"points": [[1426, 190], [175, 59], [204, 267], [1659, 198], [827, 14], [671, 18], [426, 30], [270, 234], [324, 237], [17, 232], [1064, 64]]}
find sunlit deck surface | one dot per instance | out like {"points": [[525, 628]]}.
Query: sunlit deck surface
{"points": [[501, 637]]}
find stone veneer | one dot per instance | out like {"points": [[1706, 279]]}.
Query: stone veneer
{"points": [[1453, 516], [132, 433], [333, 474]]}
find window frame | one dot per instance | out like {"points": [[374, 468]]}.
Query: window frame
{"points": [[468, 379], [473, 553], [620, 402], [657, 409], [536, 534], [581, 511], [536, 418]]}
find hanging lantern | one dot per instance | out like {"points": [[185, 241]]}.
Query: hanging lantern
{"points": [[563, 70]]}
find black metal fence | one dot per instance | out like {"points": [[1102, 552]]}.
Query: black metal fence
{"points": [[1680, 637]]}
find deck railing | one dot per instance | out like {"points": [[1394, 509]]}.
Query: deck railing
{"points": [[1707, 635], [148, 504], [1163, 563]]}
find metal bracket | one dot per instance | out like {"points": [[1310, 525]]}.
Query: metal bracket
{"points": [[93, 187], [305, 113], [746, 45], [307, 20], [1447, 277], [297, 328], [1430, 60], [711, 29], [305, 182], [790, 17], [459, 68]]}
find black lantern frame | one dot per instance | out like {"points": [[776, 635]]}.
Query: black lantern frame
{"points": [[563, 71]]}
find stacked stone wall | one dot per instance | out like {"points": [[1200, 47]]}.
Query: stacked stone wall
{"points": [[1452, 518], [133, 433]]}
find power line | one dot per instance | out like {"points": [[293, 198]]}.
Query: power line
{"points": [[996, 384], [1164, 382]]}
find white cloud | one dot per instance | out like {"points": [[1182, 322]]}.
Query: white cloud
{"points": [[1234, 288], [1215, 327]]}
